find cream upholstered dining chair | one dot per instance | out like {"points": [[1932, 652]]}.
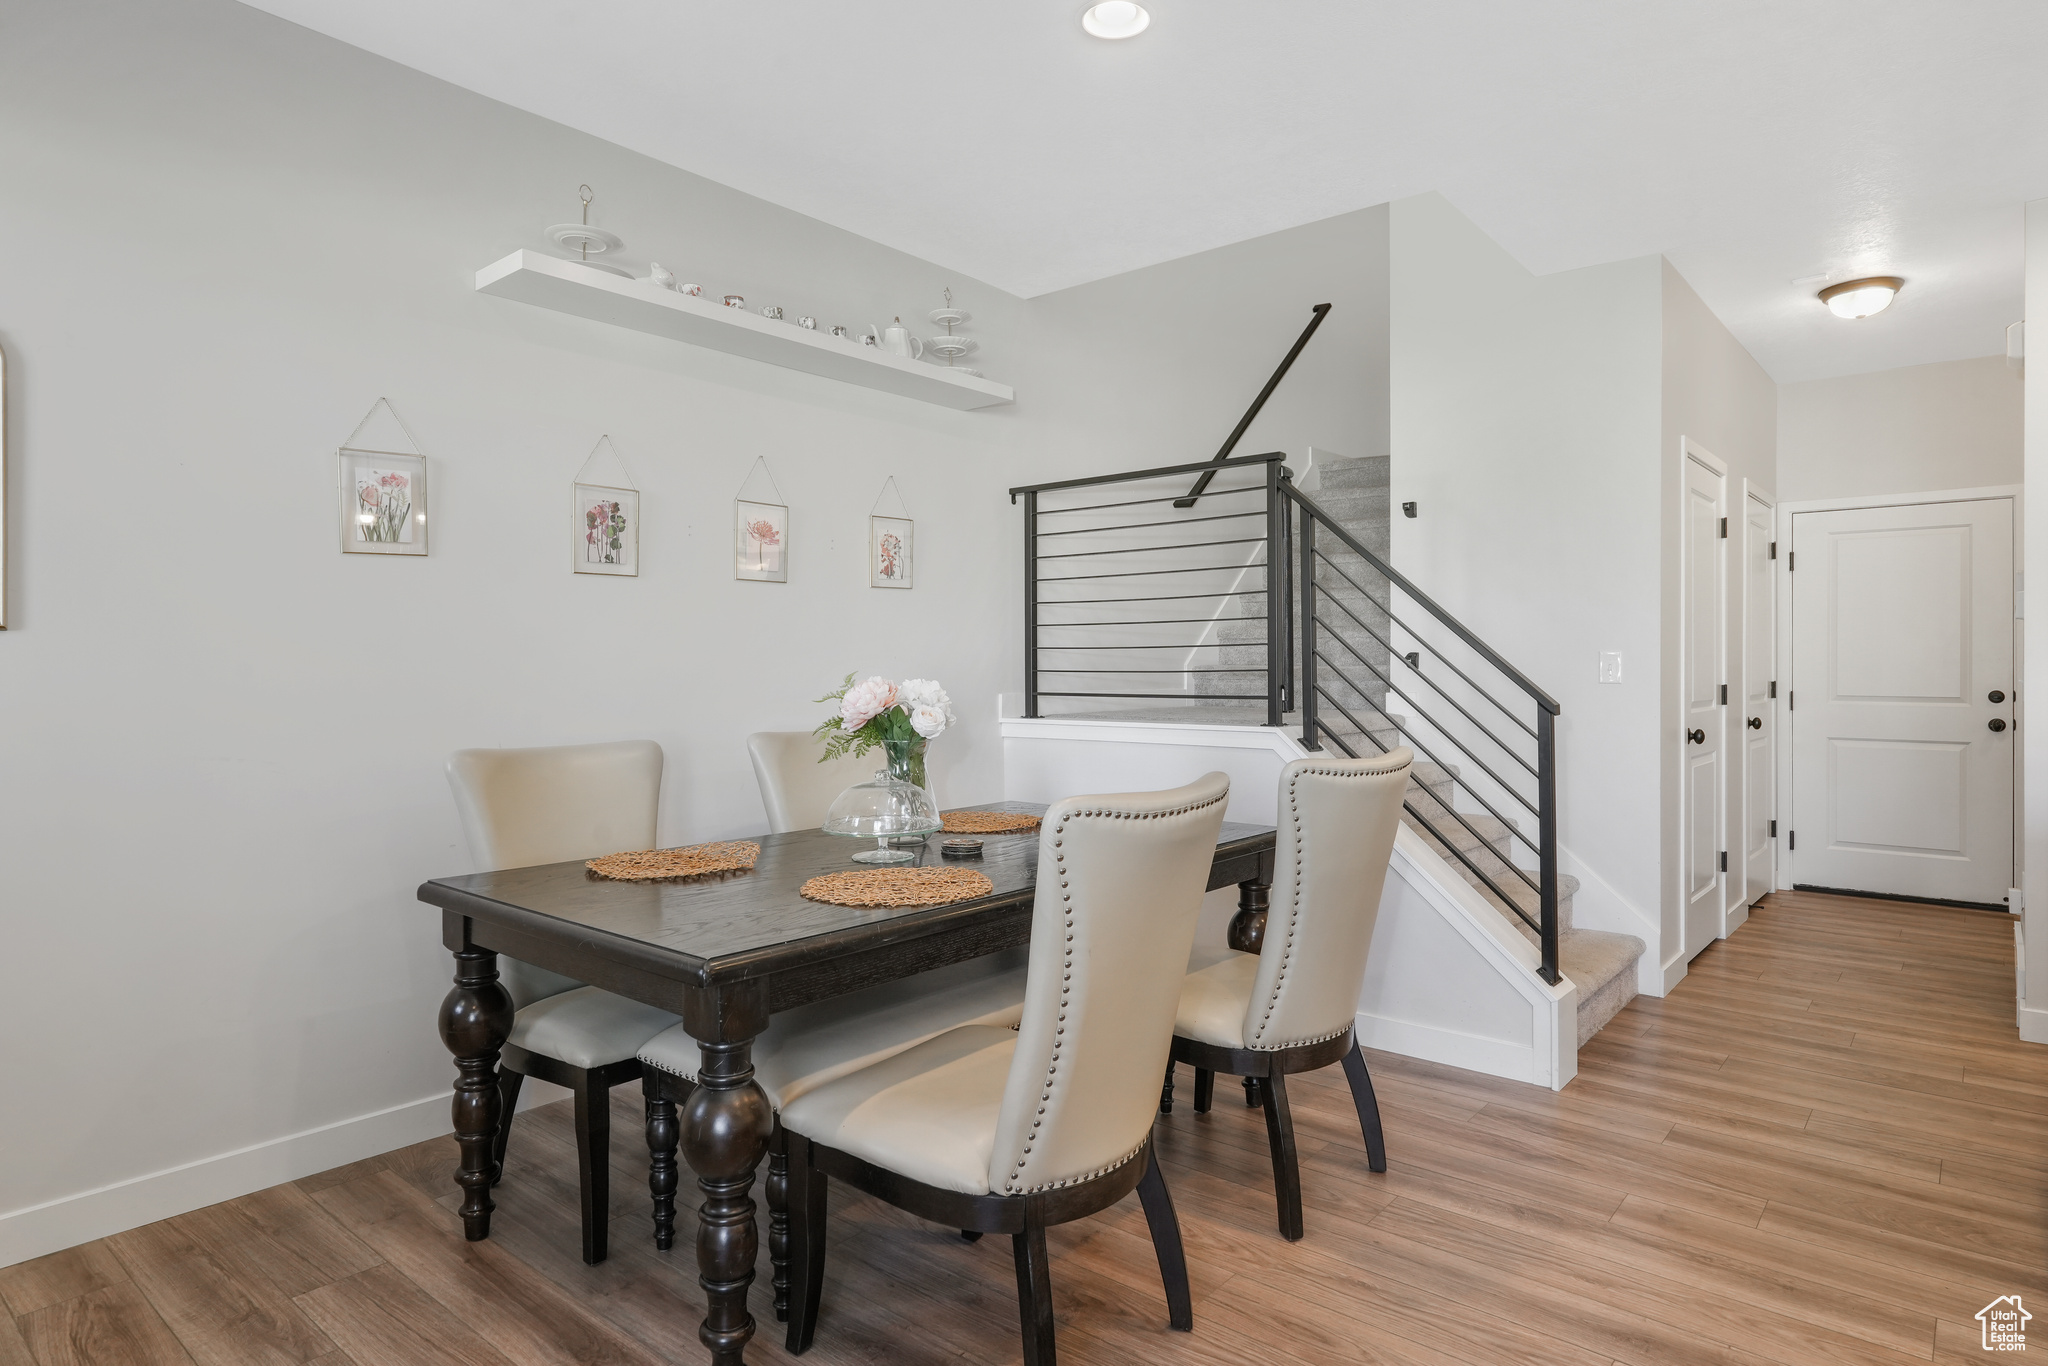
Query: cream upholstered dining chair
{"points": [[998, 1132], [524, 807], [810, 1045], [1292, 1006], [796, 789]]}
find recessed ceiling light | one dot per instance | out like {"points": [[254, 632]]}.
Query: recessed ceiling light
{"points": [[1861, 298], [1115, 19]]}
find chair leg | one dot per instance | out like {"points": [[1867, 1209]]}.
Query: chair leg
{"points": [[1173, 1261], [776, 1188], [594, 1163], [806, 1242], [1252, 1099], [1205, 1090], [1034, 1289], [1286, 1172], [664, 1136], [1166, 1090], [970, 1235], [1368, 1107], [508, 1102]]}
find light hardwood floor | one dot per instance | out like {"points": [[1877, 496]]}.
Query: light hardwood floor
{"points": [[1826, 1145]]}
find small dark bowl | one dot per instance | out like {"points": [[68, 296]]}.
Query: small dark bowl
{"points": [[961, 848]]}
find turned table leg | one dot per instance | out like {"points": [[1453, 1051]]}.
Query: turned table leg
{"points": [[475, 1018], [725, 1128], [1247, 934]]}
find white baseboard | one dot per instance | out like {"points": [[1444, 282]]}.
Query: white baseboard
{"points": [[1432, 1043], [1672, 973], [1734, 918], [73, 1219], [2033, 1025]]}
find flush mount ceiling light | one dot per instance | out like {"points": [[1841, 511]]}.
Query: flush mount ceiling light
{"points": [[1861, 298], [1115, 19]]}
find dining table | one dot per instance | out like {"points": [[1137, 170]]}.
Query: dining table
{"points": [[725, 952]]}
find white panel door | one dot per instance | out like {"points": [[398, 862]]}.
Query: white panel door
{"points": [[1759, 804], [1701, 714], [1900, 701]]}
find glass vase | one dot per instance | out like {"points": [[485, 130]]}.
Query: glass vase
{"points": [[891, 806]]}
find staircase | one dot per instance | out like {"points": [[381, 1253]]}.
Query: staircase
{"points": [[1355, 492]]}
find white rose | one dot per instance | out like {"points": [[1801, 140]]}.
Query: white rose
{"points": [[929, 722], [865, 701], [925, 692]]}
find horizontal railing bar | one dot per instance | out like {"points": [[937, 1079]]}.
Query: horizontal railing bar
{"points": [[1138, 526], [1437, 653], [1143, 573], [1259, 670], [1168, 597], [1150, 549], [1169, 696], [1145, 621], [1500, 781], [1423, 820], [1141, 502], [1198, 645], [1130, 476], [1429, 604], [1504, 747]]}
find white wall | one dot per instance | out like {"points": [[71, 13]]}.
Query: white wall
{"points": [[1715, 395], [1525, 425], [1924, 428], [2034, 794], [1155, 367], [221, 738]]}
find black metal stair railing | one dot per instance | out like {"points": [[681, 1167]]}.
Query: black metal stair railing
{"points": [[1324, 635], [1101, 577]]}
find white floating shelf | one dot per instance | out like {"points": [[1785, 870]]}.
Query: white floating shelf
{"points": [[568, 287]]}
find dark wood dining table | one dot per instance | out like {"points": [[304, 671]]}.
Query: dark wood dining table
{"points": [[725, 952]]}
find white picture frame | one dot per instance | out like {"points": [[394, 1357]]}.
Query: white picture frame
{"points": [[760, 541], [612, 548], [383, 502], [892, 552]]}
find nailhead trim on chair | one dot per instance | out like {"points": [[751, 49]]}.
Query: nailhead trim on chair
{"points": [[1294, 902], [1010, 1186]]}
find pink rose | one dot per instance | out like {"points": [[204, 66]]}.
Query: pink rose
{"points": [[865, 701]]}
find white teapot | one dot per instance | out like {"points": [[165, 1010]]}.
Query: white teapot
{"points": [[897, 341]]}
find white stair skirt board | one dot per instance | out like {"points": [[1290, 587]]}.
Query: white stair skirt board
{"points": [[1450, 980]]}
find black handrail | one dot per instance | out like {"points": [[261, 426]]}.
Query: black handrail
{"points": [[1131, 476], [1230, 442]]}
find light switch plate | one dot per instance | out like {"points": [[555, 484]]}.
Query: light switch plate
{"points": [[1610, 666]]}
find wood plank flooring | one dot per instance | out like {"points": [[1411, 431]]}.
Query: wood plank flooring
{"points": [[1826, 1145]]}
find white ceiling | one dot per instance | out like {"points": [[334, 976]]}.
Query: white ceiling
{"points": [[1751, 141]]}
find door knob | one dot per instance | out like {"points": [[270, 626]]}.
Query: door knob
{"points": [[1756, 723], [1997, 696], [1997, 723], [1699, 737]]}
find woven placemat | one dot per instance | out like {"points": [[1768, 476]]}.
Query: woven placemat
{"points": [[660, 865], [988, 822], [897, 887]]}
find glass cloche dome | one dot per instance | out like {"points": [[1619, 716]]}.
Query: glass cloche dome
{"points": [[882, 809]]}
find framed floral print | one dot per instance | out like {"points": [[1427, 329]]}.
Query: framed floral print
{"points": [[607, 530], [889, 552], [383, 502], [760, 541]]}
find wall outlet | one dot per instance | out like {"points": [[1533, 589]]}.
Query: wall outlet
{"points": [[1610, 666]]}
